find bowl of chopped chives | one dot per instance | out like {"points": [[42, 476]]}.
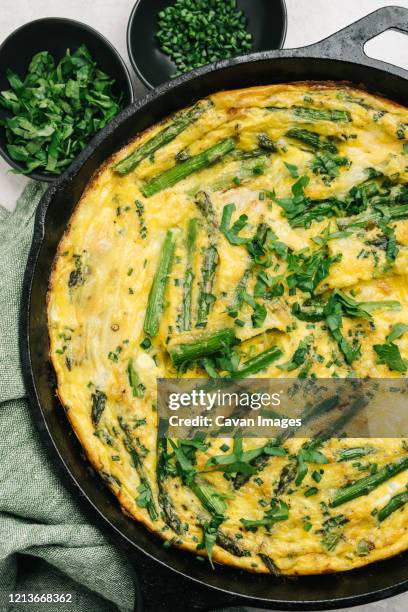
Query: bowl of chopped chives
{"points": [[167, 38], [61, 82]]}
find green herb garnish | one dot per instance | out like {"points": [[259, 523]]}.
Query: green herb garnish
{"points": [[137, 387], [56, 109], [196, 32], [389, 354], [279, 511], [397, 330], [292, 169]]}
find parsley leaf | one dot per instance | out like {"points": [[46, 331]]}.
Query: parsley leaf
{"points": [[240, 461], [307, 271], [292, 169], [145, 499], [260, 312], [231, 233], [397, 331], [210, 533], [298, 357], [279, 511], [326, 165], [389, 354], [308, 454], [334, 322], [268, 287]]}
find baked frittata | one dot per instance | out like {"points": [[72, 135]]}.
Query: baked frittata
{"points": [[262, 232]]}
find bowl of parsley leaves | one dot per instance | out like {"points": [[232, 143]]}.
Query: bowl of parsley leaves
{"points": [[61, 82]]}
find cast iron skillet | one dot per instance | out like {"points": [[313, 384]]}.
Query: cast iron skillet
{"points": [[171, 579]]}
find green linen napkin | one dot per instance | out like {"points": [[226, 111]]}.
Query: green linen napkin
{"points": [[46, 543]]}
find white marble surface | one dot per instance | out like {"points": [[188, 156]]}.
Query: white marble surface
{"points": [[308, 21]]}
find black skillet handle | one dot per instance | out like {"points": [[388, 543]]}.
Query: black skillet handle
{"points": [[159, 589], [348, 44]]}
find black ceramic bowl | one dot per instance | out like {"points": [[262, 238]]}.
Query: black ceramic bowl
{"points": [[266, 22], [56, 35]]}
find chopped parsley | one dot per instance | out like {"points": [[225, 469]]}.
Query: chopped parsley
{"points": [[389, 354], [56, 109]]}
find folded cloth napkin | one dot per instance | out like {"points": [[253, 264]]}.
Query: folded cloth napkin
{"points": [[46, 543]]}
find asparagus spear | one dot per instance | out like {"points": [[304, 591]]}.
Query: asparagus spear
{"points": [[297, 469], [146, 499], [231, 545], [177, 173], [312, 139], [185, 322], [365, 485], [392, 213], [206, 207], [269, 563], [322, 114], [288, 473], [212, 501], [380, 305], [208, 495], [205, 296], [238, 300], [250, 167], [259, 463], [315, 114], [178, 125], [396, 502], [155, 302], [355, 453], [336, 426], [202, 346], [258, 363], [252, 154], [98, 405], [266, 143], [170, 515]]}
